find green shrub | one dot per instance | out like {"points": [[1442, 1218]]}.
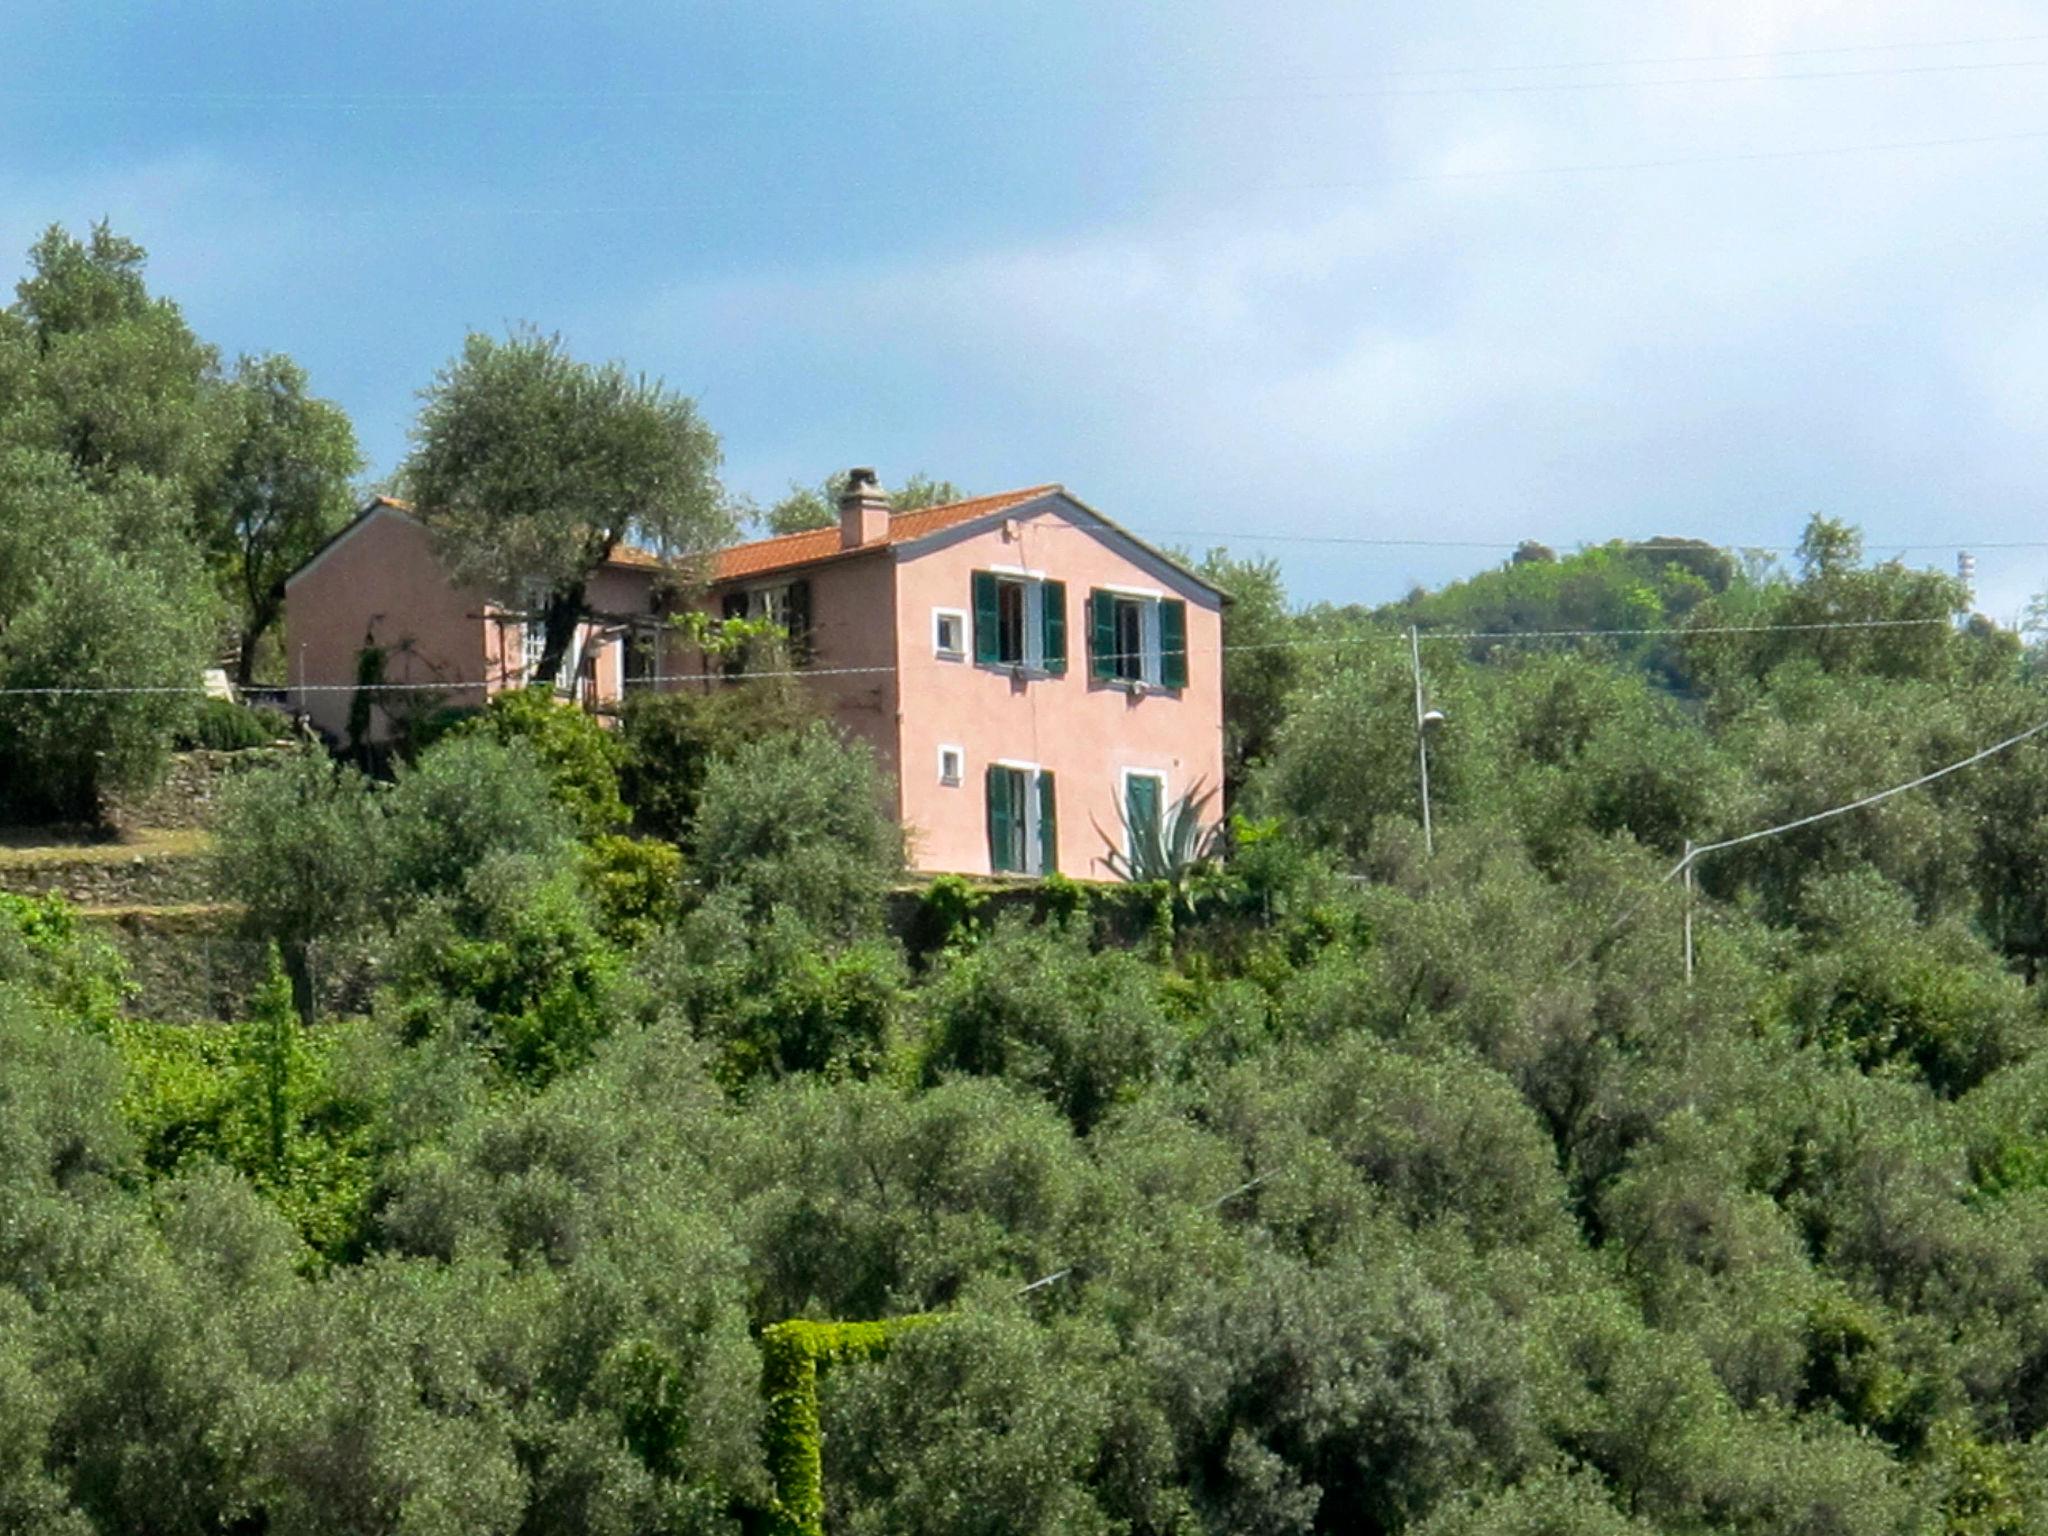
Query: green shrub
{"points": [[635, 883], [1032, 1004], [224, 725], [520, 944], [581, 758], [44, 948], [949, 915], [669, 741], [798, 822], [774, 996]]}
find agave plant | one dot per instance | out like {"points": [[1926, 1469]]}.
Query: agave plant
{"points": [[1173, 847]]}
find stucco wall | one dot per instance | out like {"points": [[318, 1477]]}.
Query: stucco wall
{"points": [[380, 585], [853, 627], [1087, 733]]}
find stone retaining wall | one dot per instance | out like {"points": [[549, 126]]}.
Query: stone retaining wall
{"points": [[106, 877], [186, 797]]}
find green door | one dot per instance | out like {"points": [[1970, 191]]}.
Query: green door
{"points": [[1008, 819], [1141, 813]]}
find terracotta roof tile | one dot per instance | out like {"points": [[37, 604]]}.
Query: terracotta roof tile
{"points": [[634, 556], [813, 545]]}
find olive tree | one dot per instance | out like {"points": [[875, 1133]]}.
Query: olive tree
{"points": [[532, 468]]}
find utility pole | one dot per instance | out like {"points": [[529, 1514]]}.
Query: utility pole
{"points": [[1421, 741]]}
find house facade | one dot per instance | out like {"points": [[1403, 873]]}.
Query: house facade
{"points": [[1033, 679]]}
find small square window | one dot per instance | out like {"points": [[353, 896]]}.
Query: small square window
{"points": [[952, 765], [949, 633]]}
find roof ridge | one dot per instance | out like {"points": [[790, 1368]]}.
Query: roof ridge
{"points": [[1020, 493]]}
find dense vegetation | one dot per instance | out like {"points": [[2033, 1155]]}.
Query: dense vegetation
{"points": [[151, 504], [672, 1168]]}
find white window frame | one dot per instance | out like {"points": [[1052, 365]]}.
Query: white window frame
{"points": [[1151, 662], [959, 756], [1034, 820], [762, 601], [1033, 583], [940, 649], [1123, 789]]}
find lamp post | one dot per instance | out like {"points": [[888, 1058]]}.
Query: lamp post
{"points": [[1425, 717]]}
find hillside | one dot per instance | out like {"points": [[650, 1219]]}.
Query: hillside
{"points": [[1336, 1186]]}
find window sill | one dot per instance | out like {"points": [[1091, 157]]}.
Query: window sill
{"points": [[1137, 687], [1021, 670], [949, 655]]}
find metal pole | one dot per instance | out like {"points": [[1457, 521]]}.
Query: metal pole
{"points": [[1421, 741], [1688, 911]]}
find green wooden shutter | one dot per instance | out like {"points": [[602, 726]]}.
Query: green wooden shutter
{"points": [[1141, 809], [1102, 635], [1002, 819], [988, 619], [1053, 632], [800, 621], [1173, 643], [1048, 828]]}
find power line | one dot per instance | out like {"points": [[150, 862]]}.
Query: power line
{"points": [[1696, 546], [1694, 855], [1307, 644], [1882, 795]]}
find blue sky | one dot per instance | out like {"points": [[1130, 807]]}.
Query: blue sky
{"points": [[1458, 272]]}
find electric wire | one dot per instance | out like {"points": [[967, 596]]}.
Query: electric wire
{"points": [[1312, 644], [1613, 927]]}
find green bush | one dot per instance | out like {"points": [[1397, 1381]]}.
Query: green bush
{"points": [[635, 883], [224, 725], [798, 822], [774, 996], [518, 942], [45, 949], [949, 915], [1034, 1005], [581, 758], [669, 740]]}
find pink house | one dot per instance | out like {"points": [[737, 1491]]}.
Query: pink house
{"points": [[1032, 678]]}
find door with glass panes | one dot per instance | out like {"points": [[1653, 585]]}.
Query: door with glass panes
{"points": [[1023, 825]]}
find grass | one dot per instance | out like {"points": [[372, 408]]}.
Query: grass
{"points": [[18, 852], [173, 914]]}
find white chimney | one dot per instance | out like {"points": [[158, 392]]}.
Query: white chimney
{"points": [[863, 510]]}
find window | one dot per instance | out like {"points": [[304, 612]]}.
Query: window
{"points": [[1023, 828], [952, 764], [1144, 803], [785, 604], [1020, 621], [1137, 639], [640, 658], [949, 634]]}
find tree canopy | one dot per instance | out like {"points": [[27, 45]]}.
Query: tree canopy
{"points": [[532, 468], [817, 506]]}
